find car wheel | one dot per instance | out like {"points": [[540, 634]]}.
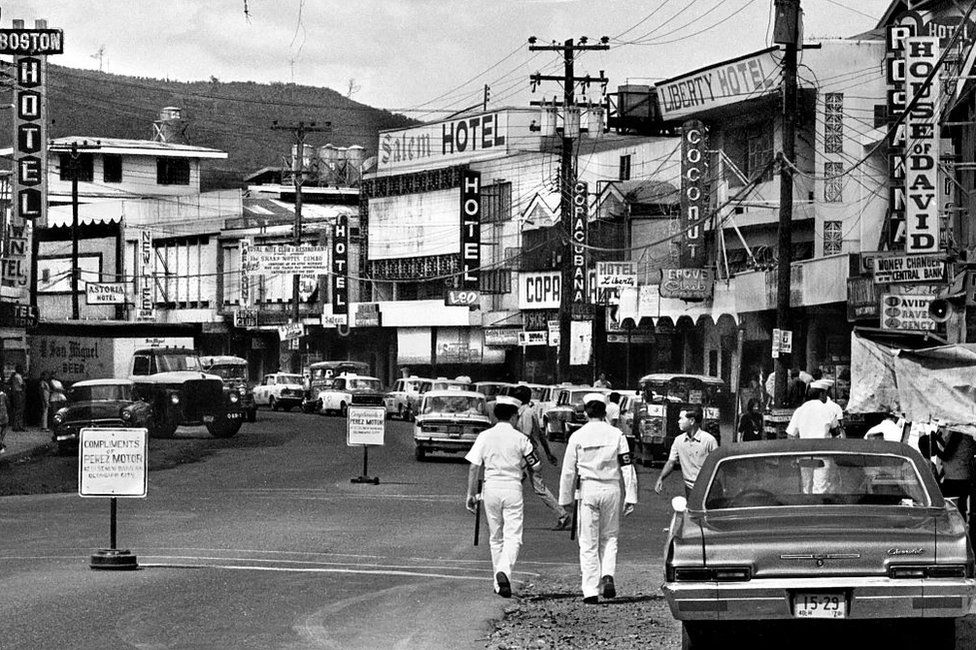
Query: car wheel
{"points": [[224, 429], [162, 429], [252, 415], [64, 449], [419, 454], [273, 403], [343, 409], [400, 414]]}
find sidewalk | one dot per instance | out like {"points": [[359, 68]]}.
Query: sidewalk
{"points": [[24, 444]]}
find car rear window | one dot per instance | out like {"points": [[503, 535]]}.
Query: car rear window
{"points": [[815, 479], [463, 404]]}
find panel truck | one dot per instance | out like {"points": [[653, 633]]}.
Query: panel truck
{"points": [[79, 358]]}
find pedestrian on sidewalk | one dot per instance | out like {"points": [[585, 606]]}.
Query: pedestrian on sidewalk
{"points": [[18, 398], [613, 408], [528, 424], [688, 450], [597, 458], [4, 417], [504, 453], [45, 391]]}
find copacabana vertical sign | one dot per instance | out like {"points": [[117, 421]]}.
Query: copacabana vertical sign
{"points": [[113, 462], [578, 229]]}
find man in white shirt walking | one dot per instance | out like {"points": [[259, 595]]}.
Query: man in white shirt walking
{"points": [[598, 457], [815, 419], [504, 453], [688, 450]]}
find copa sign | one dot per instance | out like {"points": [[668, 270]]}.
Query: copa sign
{"points": [[539, 290]]}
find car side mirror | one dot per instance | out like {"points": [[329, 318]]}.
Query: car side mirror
{"points": [[679, 504]]}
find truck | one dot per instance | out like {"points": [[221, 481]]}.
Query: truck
{"points": [[79, 358]]}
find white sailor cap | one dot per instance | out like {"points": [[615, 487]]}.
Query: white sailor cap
{"points": [[595, 397], [821, 384], [508, 399]]}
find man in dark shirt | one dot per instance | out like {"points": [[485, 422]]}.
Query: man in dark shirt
{"points": [[796, 390]]}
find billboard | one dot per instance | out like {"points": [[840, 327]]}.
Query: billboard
{"points": [[414, 225], [449, 142], [288, 260], [539, 290]]}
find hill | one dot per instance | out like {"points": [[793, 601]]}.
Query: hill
{"points": [[235, 117]]}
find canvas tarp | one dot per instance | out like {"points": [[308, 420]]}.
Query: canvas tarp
{"points": [[937, 384]]}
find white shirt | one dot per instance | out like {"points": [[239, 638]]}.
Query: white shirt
{"points": [[887, 429], [691, 453], [613, 413], [503, 451], [814, 419], [597, 451]]}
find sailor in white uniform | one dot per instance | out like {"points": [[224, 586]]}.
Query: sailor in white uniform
{"points": [[597, 454]]}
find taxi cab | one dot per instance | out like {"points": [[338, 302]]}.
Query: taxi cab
{"points": [[561, 420], [349, 389], [403, 399], [449, 421]]}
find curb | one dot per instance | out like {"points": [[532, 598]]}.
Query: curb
{"points": [[25, 454]]}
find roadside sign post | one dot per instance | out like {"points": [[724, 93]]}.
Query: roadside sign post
{"points": [[113, 463], [366, 426]]}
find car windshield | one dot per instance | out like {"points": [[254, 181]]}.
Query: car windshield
{"points": [[102, 393], [365, 384], [290, 379], [692, 391], [229, 371], [174, 361], [815, 479], [464, 404], [490, 390]]}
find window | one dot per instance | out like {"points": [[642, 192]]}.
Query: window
{"points": [[140, 365], [833, 182], [833, 238], [172, 171], [496, 202], [84, 163], [759, 150], [112, 168], [747, 149], [834, 123], [625, 167]]}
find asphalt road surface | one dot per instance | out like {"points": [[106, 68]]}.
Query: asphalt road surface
{"points": [[265, 543]]}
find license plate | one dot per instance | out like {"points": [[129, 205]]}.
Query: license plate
{"points": [[657, 439], [208, 418], [454, 431], [807, 605], [230, 416]]}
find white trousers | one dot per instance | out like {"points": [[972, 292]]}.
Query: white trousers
{"points": [[599, 523], [503, 509]]}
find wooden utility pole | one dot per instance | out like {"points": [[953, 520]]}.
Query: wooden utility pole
{"points": [[567, 175], [74, 154], [300, 130], [786, 33]]}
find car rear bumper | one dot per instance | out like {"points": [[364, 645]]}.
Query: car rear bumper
{"points": [[867, 598], [438, 443]]}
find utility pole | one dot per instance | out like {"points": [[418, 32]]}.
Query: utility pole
{"points": [[567, 174], [74, 154], [786, 33], [300, 130]]}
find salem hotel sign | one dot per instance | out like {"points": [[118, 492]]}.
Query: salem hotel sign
{"points": [[448, 142], [730, 82]]}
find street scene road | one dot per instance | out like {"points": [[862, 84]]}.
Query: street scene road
{"points": [[264, 542]]}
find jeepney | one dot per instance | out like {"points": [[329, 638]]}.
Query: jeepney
{"points": [[665, 395]]}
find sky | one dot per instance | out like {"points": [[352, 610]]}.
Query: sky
{"points": [[425, 58]]}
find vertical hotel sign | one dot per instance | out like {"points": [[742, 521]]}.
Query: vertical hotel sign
{"points": [[147, 271], [578, 236], [922, 146], [340, 267], [692, 251], [29, 48], [470, 230]]}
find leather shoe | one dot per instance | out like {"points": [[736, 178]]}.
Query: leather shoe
{"points": [[504, 586], [591, 600], [563, 522], [609, 590]]}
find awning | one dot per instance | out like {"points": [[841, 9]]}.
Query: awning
{"points": [[819, 281], [646, 302]]}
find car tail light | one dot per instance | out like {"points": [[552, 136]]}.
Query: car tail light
{"points": [[933, 571], [709, 574]]}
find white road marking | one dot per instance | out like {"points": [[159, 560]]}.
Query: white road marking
{"points": [[413, 574]]}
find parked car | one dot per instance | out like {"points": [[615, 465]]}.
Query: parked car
{"points": [[233, 371], [449, 421], [805, 530], [665, 395], [280, 390], [561, 420], [629, 405], [547, 399], [346, 390], [172, 380], [403, 400], [111, 403], [320, 374]]}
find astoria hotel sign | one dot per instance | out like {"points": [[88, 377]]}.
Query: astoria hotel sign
{"points": [[449, 142]]}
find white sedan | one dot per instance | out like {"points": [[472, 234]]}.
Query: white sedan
{"points": [[280, 390]]}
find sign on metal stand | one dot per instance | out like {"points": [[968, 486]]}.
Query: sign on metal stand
{"points": [[113, 463], [366, 426]]}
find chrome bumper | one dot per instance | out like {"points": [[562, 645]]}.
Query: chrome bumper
{"points": [[772, 598]]}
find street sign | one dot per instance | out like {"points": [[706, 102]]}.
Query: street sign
{"points": [[366, 425], [105, 293], [463, 298], [113, 462]]}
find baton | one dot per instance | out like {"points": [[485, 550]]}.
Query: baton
{"points": [[576, 500], [477, 514]]}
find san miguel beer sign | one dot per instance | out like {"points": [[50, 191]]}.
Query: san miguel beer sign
{"points": [[470, 229], [693, 196]]}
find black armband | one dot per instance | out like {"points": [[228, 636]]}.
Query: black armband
{"points": [[625, 459], [531, 459]]}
